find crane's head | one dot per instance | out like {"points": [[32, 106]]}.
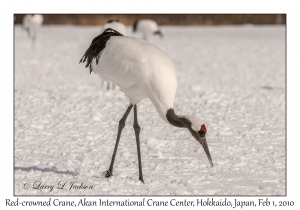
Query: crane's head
{"points": [[198, 130], [194, 125]]}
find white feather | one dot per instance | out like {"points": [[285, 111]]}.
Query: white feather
{"points": [[25, 21], [147, 26], [33, 23], [140, 69]]}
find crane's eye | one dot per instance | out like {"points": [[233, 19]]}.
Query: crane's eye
{"points": [[201, 133]]}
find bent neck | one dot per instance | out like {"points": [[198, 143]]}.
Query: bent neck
{"points": [[177, 121]]}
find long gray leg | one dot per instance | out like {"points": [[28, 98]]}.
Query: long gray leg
{"points": [[137, 136], [121, 126], [107, 85]]}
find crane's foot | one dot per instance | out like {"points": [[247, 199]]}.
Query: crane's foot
{"points": [[108, 174], [141, 179]]}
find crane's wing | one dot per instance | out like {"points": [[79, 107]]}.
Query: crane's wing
{"points": [[96, 47], [123, 61]]}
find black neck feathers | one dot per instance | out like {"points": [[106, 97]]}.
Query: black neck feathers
{"points": [[177, 121], [97, 45]]}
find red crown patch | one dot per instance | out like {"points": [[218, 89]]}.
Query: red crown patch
{"points": [[203, 128]]}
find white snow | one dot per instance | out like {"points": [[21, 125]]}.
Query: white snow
{"points": [[231, 77]]}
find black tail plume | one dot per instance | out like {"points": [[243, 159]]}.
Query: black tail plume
{"points": [[97, 45]]}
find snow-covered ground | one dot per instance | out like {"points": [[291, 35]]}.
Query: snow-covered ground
{"points": [[66, 123]]}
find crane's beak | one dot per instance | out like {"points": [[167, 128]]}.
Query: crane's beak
{"points": [[203, 142], [200, 137]]}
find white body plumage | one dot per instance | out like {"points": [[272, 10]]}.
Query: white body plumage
{"points": [[25, 21], [32, 23], [146, 27], [140, 69]]}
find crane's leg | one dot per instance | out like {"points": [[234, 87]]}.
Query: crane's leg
{"points": [[137, 136], [107, 85], [109, 173], [33, 41], [102, 84], [28, 32]]}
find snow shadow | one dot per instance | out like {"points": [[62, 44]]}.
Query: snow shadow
{"points": [[267, 87], [53, 169]]}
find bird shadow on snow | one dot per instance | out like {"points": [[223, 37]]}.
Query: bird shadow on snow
{"points": [[267, 87], [53, 169]]}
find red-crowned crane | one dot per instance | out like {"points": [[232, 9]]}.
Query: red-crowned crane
{"points": [[141, 70], [31, 23], [146, 27], [25, 24]]}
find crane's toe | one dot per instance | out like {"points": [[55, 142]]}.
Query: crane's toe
{"points": [[107, 174], [141, 179]]}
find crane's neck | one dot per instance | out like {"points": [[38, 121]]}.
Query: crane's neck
{"points": [[177, 121], [166, 112]]}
